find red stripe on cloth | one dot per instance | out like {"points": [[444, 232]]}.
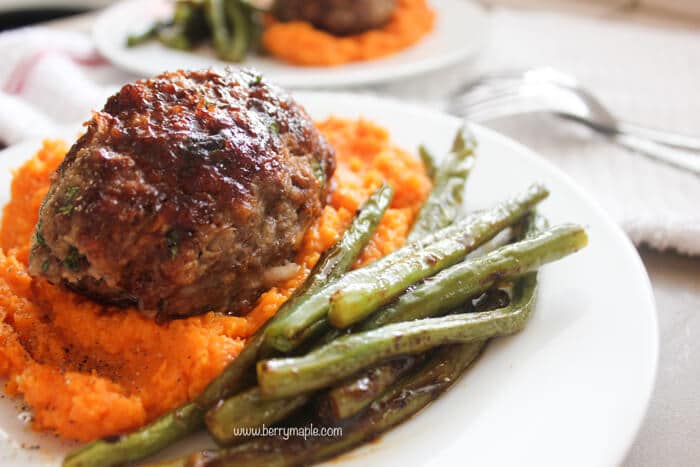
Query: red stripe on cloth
{"points": [[20, 74]]}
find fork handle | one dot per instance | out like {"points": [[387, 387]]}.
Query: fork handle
{"points": [[656, 137], [667, 138], [681, 156], [675, 157]]}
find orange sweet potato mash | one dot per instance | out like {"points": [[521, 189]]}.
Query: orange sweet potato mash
{"points": [[301, 43], [88, 370]]}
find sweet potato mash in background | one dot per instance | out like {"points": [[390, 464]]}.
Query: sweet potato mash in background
{"points": [[301, 43]]}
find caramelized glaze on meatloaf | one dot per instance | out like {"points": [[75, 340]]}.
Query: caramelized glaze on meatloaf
{"points": [[185, 189]]}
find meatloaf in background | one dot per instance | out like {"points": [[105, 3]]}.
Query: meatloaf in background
{"points": [[184, 193], [339, 17]]}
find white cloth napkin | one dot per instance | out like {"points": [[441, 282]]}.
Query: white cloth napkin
{"points": [[51, 80]]}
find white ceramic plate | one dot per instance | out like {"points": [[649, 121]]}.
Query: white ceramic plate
{"points": [[570, 390], [459, 33]]}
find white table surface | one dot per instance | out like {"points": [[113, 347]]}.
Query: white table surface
{"points": [[670, 433]]}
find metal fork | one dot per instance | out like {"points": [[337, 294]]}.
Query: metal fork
{"points": [[547, 90]]}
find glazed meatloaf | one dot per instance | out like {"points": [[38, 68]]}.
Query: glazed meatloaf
{"points": [[339, 17], [189, 192]]}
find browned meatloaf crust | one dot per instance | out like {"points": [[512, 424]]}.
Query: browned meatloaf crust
{"points": [[185, 189]]}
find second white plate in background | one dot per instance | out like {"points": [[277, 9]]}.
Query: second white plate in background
{"points": [[460, 32]]}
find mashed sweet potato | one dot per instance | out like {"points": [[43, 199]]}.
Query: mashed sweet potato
{"points": [[88, 370], [301, 43]]}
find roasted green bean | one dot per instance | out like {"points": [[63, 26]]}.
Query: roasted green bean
{"points": [[357, 300], [151, 33], [248, 410], [232, 25], [390, 275], [346, 355], [286, 377], [442, 206], [350, 397], [452, 287], [240, 37], [216, 17], [395, 407], [429, 162], [449, 180]]}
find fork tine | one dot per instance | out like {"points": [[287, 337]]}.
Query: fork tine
{"points": [[486, 93], [526, 98], [513, 76], [506, 106], [550, 75], [464, 107], [489, 78]]}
